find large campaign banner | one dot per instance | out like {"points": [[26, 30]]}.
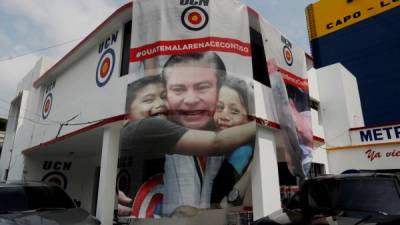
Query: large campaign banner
{"points": [[174, 27], [188, 139], [287, 73]]}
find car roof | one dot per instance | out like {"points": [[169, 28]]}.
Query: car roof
{"points": [[355, 175], [25, 183]]}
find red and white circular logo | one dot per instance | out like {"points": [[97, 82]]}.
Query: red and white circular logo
{"points": [[48, 102], [56, 178], [148, 199], [105, 67], [194, 18], [287, 55]]}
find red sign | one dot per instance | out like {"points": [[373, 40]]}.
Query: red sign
{"points": [[187, 46]]}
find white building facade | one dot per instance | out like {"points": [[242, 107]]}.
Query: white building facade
{"points": [[65, 128]]}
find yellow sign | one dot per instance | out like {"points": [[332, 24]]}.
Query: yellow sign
{"points": [[327, 16]]}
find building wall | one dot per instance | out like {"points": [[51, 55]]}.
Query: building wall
{"points": [[380, 157], [362, 36], [80, 101], [23, 118], [367, 45], [340, 104], [78, 174], [371, 148], [314, 95], [76, 94]]}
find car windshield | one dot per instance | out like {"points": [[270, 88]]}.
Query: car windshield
{"points": [[364, 194], [19, 198]]}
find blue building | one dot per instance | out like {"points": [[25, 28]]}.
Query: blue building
{"points": [[365, 37]]}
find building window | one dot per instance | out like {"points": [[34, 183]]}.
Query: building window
{"points": [[126, 47], [259, 61], [3, 124]]}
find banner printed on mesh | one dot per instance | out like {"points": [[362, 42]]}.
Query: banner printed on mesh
{"points": [[175, 27], [286, 55], [287, 70], [191, 67], [194, 18], [294, 116]]}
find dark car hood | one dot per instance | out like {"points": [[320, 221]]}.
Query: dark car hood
{"points": [[367, 220], [74, 216], [348, 218]]}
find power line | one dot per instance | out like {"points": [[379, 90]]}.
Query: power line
{"points": [[38, 50], [52, 122]]}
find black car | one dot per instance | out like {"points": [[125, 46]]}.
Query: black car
{"points": [[39, 203], [350, 199]]}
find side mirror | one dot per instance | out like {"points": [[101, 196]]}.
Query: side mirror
{"points": [[77, 203]]}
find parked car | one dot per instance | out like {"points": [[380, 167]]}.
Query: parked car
{"points": [[349, 199], [23, 203]]}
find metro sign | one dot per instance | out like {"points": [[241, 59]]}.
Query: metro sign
{"points": [[373, 135]]}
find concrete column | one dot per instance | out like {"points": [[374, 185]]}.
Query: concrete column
{"points": [[265, 177], [340, 104], [108, 174], [8, 144]]}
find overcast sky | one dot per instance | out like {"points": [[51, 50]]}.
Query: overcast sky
{"points": [[28, 25]]}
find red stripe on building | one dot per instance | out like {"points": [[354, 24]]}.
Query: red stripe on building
{"points": [[260, 121], [264, 122], [186, 46], [98, 123]]}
